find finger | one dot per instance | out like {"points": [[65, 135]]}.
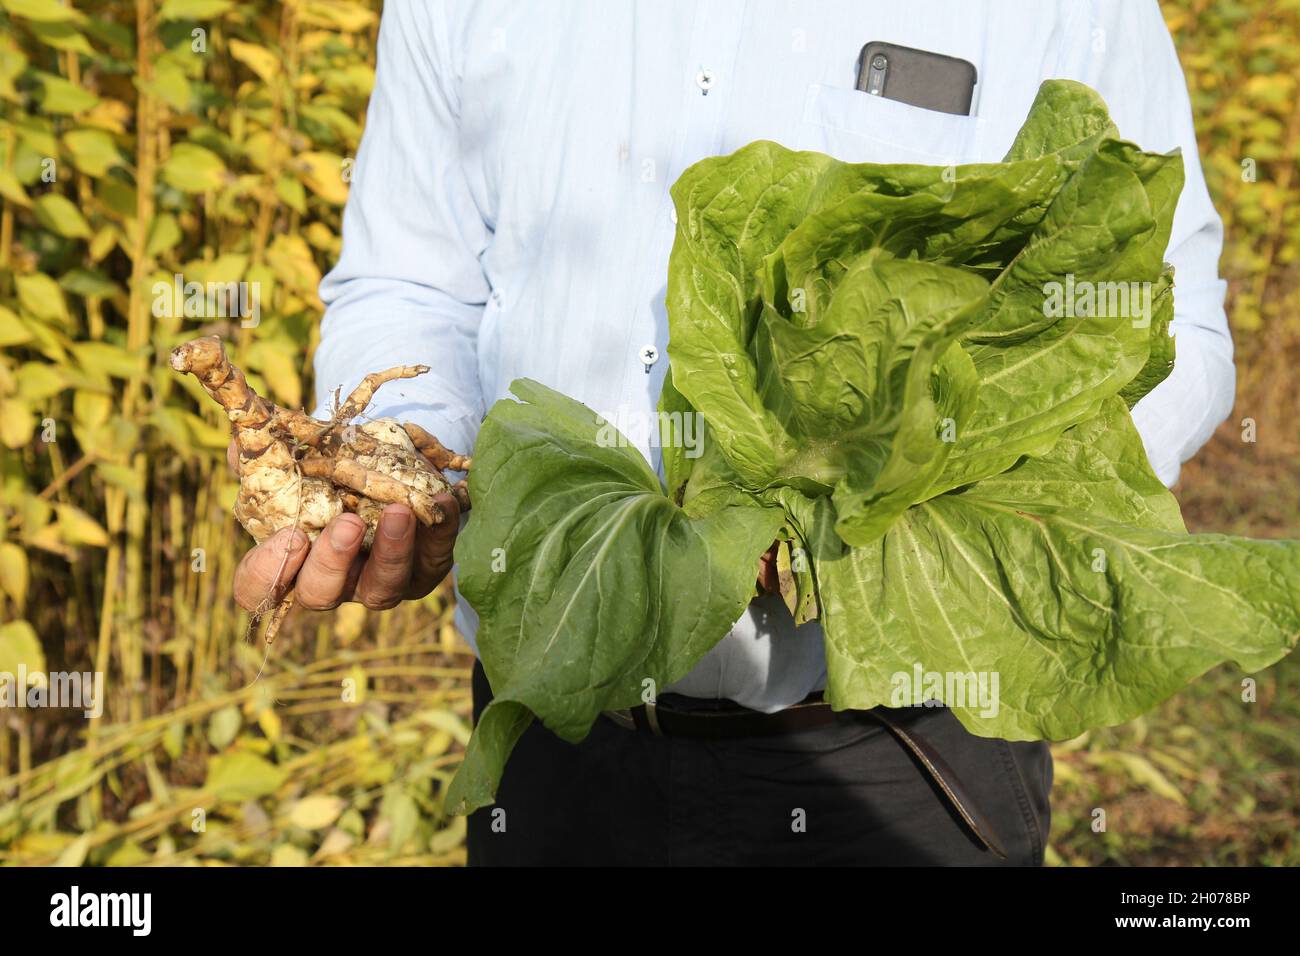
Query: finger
{"points": [[388, 569], [354, 575], [266, 573], [461, 492], [433, 549], [324, 574]]}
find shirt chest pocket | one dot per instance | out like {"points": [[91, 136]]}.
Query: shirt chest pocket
{"points": [[857, 127]]}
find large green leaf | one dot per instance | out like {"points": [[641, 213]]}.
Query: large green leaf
{"points": [[588, 579], [1100, 246], [1067, 118], [1069, 577], [865, 391], [770, 227], [677, 461], [1160, 355], [785, 263]]}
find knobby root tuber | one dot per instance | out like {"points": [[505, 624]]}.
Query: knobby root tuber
{"points": [[298, 471]]}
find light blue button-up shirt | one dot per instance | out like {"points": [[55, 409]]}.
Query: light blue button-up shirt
{"points": [[509, 212]]}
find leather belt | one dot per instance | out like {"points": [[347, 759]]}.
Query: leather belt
{"points": [[726, 719]]}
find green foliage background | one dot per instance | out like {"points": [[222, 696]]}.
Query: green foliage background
{"points": [[212, 139]]}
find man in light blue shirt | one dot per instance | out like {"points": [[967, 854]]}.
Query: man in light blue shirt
{"points": [[510, 217]]}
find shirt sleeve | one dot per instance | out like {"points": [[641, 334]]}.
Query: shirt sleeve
{"points": [[1126, 54], [409, 288]]}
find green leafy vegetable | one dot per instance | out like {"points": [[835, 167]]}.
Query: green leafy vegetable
{"points": [[594, 584], [1070, 576], [919, 379]]}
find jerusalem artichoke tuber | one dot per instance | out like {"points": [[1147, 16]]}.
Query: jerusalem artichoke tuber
{"points": [[299, 471]]}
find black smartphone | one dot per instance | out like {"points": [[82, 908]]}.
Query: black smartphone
{"points": [[931, 81]]}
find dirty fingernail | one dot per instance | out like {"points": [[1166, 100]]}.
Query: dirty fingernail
{"points": [[344, 534], [395, 524]]}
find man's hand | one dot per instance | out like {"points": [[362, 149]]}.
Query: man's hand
{"points": [[406, 562]]}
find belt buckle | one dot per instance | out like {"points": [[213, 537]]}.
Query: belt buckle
{"points": [[623, 718], [626, 718]]}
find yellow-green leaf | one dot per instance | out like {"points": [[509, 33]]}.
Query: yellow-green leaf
{"points": [[88, 283], [129, 853], [257, 58], [205, 435], [41, 296], [38, 381], [62, 36], [170, 85], [349, 622], [270, 723], [13, 331], [103, 243], [280, 362], [121, 476], [12, 63], [115, 360], [61, 96], [323, 174], [316, 812], [16, 422], [403, 816], [37, 131], [14, 573], [42, 11], [293, 262], [1146, 774], [77, 528], [344, 15], [286, 854], [355, 80], [12, 189], [194, 9], [192, 168], [227, 267], [19, 646], [291, 191], [241, 775], [93, 150], [224, 726], [74, 854], [56, 212], [164, 234], [90, 409]]}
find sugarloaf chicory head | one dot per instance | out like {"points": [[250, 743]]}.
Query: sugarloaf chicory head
{"points": [[919, 380]]}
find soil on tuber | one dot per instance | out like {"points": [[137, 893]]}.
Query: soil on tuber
{"points": [[301, 472]]}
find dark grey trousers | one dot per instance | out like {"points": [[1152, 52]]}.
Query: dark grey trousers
{"points": [[846, 794]]}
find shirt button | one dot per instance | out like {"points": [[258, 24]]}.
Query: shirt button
{"points": [[649, 355], [704, 80]]}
